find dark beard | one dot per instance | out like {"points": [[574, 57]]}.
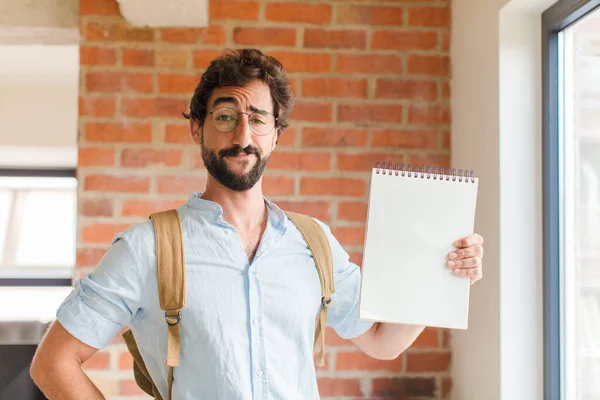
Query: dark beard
{"points": [[218, 168]]}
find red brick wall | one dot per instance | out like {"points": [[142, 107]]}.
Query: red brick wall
{"points": [[372, 83]]}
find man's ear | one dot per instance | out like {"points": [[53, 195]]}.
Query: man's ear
{"points": [[196, 131]]}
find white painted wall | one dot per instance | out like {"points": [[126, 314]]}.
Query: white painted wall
{"points": [[496, 130], [38, 105], [40, 13]]}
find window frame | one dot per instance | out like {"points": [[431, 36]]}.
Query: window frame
{"points": [[554, 20], [30, 279]]}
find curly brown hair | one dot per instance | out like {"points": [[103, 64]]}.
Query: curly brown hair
{"points": [[238, 68]]}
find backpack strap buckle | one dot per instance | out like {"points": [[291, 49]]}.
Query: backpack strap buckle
{"points": [[173, 319], [325, 301]]}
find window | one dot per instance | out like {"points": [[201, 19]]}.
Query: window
{"points": [[38, 211], [571, 157]]}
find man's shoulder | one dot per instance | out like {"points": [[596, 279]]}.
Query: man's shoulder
{"points": [[136, 233], [141, 235], [322, 224]]}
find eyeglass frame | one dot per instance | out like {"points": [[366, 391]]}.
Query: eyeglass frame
{"points": [[244, 113]]}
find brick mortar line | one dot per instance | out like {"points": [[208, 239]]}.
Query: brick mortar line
{"points": [[440, 140], [118, 201], [157, 131], [371, 87], [149, 195], [334, 101], [184, 147], [318, 175], [369, 41], [309, 147], [136, 218], [335, 104], [298, 48], [387, 4], [262, 12], [114, 358], [118, 172], [230, 25], [272, 171], [296, 123], [440, 88], [117, 208], [334, 15], [349, 76], [145, 196], [300, 32], [299, 76], [202, 47], [347, 224], [186, 95], [117, 219], [366, 385]]}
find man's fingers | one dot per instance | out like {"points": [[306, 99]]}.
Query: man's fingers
{"points": [[471, 240], [472, 262], [473, 251]]}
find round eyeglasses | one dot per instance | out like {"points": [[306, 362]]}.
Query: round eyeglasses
{"points": [[226, 119]]}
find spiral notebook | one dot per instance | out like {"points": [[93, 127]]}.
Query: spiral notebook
{"points": [[414, 216]]}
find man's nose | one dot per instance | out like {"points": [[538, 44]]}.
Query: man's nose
{"points": [[242, 132]]}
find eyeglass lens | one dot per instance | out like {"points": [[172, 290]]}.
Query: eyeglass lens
{"points": [[226, 119]]}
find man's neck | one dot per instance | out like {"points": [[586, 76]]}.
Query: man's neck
{"points": [[244, 210]]}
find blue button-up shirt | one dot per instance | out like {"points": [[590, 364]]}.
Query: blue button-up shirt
{"points": [[248, 328]]}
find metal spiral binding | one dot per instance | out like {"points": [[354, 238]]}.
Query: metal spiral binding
{"points": [[429, 172]]}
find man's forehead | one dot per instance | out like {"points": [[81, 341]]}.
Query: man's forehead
{"points": [[256, 94]]}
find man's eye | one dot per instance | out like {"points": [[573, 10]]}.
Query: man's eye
{"points": [[224, 118], [258, 121]]}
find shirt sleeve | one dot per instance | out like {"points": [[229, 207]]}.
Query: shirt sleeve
{"points": [[342, 314], [104, 301]]}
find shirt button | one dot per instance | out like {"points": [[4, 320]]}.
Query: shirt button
{"points": [[259, 373], [255, 321]]}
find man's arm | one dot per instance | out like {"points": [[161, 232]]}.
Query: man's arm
{"points": [[387, 341], [56, 367]]}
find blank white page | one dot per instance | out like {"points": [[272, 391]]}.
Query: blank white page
{"points": [[411, 225]]}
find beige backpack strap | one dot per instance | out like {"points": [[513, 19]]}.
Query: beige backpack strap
{"points": [[317, 242], [171, 280]]}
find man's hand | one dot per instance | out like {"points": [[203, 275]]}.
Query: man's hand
{"points": [[465, 260]]}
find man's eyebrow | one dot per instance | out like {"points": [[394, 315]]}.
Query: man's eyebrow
{"points": [[221, 100], [259, 111], [233, 100]]}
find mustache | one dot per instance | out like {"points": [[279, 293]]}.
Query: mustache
{"points": [[236, 150]]}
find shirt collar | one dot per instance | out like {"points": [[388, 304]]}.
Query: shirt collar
{"points": [[276, 216]]}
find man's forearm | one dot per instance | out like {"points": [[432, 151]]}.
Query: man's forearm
{"points": [[65, 381], [387, 341]]}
